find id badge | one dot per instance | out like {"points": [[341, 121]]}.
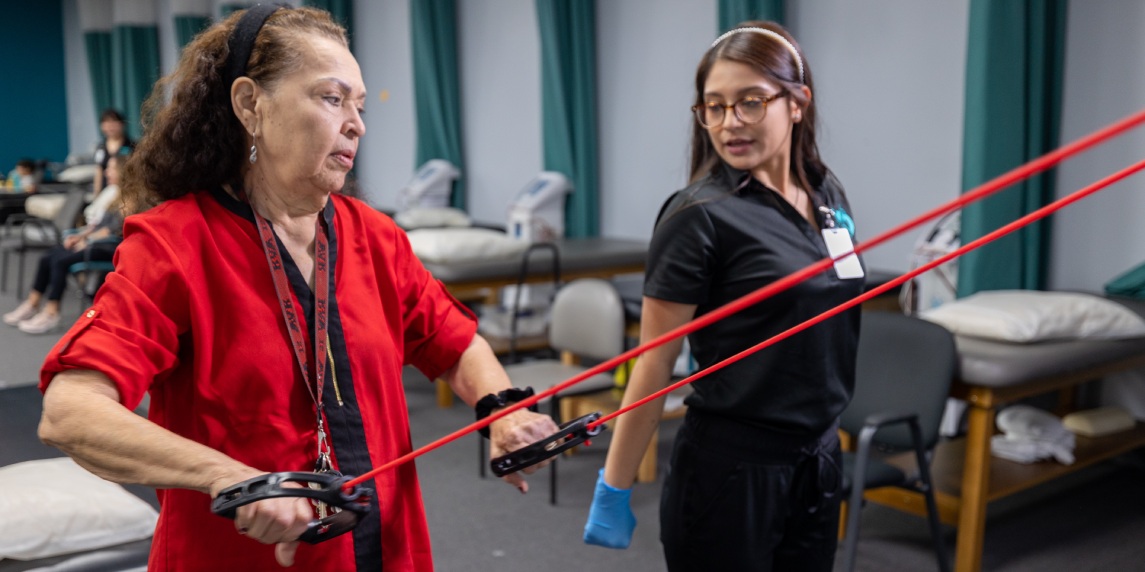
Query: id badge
{"points": [[838, 242]]}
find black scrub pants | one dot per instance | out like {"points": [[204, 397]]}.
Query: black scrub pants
{"points": [[739, 498]]}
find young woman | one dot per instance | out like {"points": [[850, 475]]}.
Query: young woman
{"points": [[115, 142], [755, 467], [39, 313]]}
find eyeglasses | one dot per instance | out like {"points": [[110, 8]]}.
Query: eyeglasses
{"points": [[751, 109]]}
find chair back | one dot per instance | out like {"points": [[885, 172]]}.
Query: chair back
{"points": [[904, 365], [588, 319], [71, 209]]}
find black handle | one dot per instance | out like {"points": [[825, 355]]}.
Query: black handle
{"points": [[323, 487], [570, 435]]}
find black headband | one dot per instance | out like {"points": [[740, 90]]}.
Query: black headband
{"points": [[241, 42]]}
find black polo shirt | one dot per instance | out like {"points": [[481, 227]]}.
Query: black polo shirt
{"points": [[725, 236]]}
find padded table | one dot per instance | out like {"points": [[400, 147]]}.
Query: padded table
{"points": [[20, 409], [994, 374], [478, 281]]}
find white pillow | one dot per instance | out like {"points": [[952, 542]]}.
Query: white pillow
{"points": [[78, 174], [1030, 316], [463, 244], [54, 506], [432, 217], [44, 206]]}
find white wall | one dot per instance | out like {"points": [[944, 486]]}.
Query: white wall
{"points": [[890, 82], [385, 159], [1103, 235], [646, 62], [500, 102], [83, 130]]}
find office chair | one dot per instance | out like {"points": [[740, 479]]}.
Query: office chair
{"points": [[587, 322], [23, 233], [89, 274], [903, 373]]}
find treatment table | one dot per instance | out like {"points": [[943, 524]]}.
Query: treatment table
{"points": [[993, 375], [20, 409], [479, 281]]}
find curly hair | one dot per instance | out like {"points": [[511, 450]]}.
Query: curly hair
{"points": [[772, 59], [192, 139]]}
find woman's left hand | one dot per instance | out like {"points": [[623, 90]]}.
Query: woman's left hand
{"points": [[518, 429]]}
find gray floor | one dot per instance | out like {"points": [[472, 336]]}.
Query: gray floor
{"points": [[1094, 520]]}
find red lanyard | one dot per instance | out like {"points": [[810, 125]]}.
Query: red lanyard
{"points": [[286, 302]]}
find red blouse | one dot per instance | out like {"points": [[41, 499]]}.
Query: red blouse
{"points": [[191, 315]]}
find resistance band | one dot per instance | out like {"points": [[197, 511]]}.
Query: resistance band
{"points": [[1022, 172], [1000, 232]]}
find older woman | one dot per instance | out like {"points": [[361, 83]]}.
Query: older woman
{"points": [[250, 234]]}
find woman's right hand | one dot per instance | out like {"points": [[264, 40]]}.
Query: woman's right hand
{"points": [[72, 240], [273, 521]]}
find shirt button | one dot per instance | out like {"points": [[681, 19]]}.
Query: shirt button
{"points": [[91, 313]]}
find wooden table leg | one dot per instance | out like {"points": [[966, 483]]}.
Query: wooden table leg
{"points": [[444, 394], [646, 472], [975, 482]]}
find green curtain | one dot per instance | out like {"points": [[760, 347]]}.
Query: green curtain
{"points": [[1014, 70], [436, 86], [232, 7], [568, 106], [187, 25], [97, 46], [733, 12], [341, 10], [134, 69]]}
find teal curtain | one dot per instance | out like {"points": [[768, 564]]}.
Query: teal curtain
{"points": [[187, 26], [97, 46], [134, 69], [341, 10], [231, 7], [568, 105], [733, 12], [1014, 70], [436, 87]]}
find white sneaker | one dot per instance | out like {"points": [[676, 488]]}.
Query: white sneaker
{"points": [[41, 323], [21, 313]]}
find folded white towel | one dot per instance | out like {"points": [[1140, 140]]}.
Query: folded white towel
{"points": [[1031, 450], [1030, 434]]}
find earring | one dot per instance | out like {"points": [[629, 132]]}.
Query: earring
{"points": [[253, 154]]}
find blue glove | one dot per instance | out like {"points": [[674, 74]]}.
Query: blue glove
{"points": [[610, 519]]}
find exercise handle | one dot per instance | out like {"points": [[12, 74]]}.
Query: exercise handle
{"points": [[570, 435], [351, 503]]}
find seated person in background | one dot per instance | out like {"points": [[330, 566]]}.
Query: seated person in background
{"points": [[52, 271], [22, 179], [108, 198], [115, 142]]}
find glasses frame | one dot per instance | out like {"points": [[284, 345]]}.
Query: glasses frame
{"points": [[700, 109]]}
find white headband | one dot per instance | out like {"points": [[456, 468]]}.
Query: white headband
{"points": [[775, 35]]}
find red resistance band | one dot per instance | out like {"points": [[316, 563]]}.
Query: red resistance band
{"points": [[1022, 172]]}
